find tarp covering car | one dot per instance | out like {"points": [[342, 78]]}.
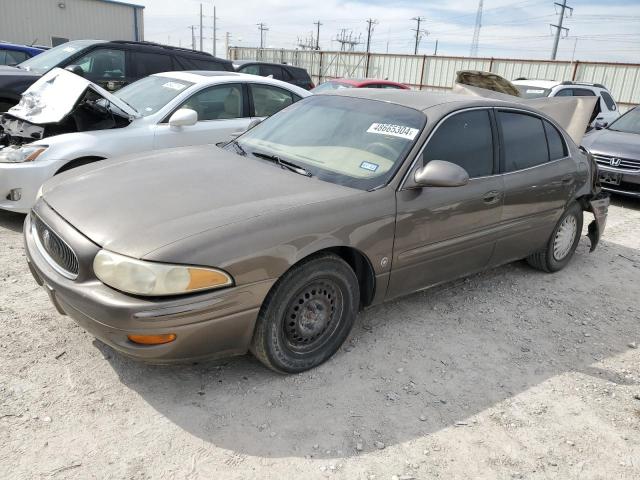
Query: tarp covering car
{"points": [[61, 102]]}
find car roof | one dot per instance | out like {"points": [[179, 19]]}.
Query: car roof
{"points": [[364, 81], [213, 77], [537, 83], [420, 99], [20, 48]]}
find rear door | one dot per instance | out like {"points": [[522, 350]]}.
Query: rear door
{"points": [[222, 113], [539, 180], [446, 232], [265, 100]]}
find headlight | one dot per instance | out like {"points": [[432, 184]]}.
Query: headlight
{"points": [[26, 153], [139, 277]]}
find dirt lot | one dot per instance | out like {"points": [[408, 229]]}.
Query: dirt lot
{"points": [[508, 374]]}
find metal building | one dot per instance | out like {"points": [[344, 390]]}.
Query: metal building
{"points": [[52, 22]]}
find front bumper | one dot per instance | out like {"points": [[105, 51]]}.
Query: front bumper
{"points": [[212, 324], [629, 183], [27, 177]]}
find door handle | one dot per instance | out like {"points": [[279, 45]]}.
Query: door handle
{"points": [[491, 197]]}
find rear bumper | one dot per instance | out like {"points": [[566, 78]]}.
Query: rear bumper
{"points": [[213, 324]]}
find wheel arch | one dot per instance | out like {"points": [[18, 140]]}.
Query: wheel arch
{"points": [[78, 162]]}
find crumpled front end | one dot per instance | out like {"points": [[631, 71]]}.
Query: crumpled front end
{"points": [[595, 201]]}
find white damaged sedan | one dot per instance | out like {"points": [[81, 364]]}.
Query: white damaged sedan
{"points": [[64, 121]]}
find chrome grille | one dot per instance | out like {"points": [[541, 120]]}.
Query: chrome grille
{"points": [[625, 163], [55, 250]]}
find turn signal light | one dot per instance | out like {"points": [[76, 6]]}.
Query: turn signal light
{"points": [[152, 339]]}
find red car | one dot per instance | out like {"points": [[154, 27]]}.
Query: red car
{"points": [[337, 83]]}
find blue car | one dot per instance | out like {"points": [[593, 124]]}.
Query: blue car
{"points": [[13, 54]]}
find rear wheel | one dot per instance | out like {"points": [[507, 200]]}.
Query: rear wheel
{"points": [[307, 315], [562, 244]]}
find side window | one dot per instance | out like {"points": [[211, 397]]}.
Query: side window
{"points": [[565, 92], [103, 64], [212, 66], [475, 153], [217, 103], [287, 76], [15, 57], [268, 100], [386, 85], [524, 140], [3, 57], [583, 92], [149, 63], [266, 70], [251, 70], [557, 147], [608, 100]]}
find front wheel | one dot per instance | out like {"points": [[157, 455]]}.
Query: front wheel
{"points": [[307, 315], [562, 244]]}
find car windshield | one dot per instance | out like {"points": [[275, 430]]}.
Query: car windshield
{"points": [[350, 141], [528, 91], [44, 62], [627, 123], [331, 85], [150, 94]]}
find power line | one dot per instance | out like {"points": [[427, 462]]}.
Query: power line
{"points": [[559, 28]]}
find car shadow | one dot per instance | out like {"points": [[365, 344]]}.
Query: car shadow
{"points": [[412, 366], [625, 201], [12, 221]]}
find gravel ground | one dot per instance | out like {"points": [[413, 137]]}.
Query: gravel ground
{"points": [[507, 374]]}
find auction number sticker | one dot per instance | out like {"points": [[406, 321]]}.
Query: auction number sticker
{"points": [[372, 167], [174, 86], [393, 130]]}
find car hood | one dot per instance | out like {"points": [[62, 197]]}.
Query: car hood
{"points": [[7, 71], [610, 142], [137, 204], [54, 95]]}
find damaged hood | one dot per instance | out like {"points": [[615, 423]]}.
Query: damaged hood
{"points": [[55, 94], [573, 114]]}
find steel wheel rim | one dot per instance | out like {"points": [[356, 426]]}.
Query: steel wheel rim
{"points": [[565, 236], [312, 316]]}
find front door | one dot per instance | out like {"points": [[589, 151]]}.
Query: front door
{"points": [[222, 114], [446, 232]]}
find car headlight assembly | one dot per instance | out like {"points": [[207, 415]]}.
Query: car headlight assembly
{"points": [[26, 153], [139, 277]]}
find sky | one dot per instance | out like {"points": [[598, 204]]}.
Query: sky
{"points": [[605, 30]]}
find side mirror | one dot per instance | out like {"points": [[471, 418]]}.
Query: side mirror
{"points": [[77, 69], [600, 124], [183, 117], [439, 173]]}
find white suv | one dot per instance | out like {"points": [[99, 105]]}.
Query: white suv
{"points": [[608, 110]]}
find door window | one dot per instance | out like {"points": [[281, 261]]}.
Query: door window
{"points": [[217, 103], [250, 69], [149, 63], [557, 147], [608, 100], [13, 57], [103, 64], [465, 139], [268, 100], [266, 70], [583, 92], [565, 92], [524, 140]]}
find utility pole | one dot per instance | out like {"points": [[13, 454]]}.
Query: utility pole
{"points": [[435, 51], [263, 28], [559, 28], [227, 35], [215, 31], [193, 37], [200, 27], [419, 33], [370, 23], [476, 32], [317, 24]]}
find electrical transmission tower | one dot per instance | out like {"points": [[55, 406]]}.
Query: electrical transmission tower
{"points": [[419, 33], [307, 43], [263, 28], [476, 32], [559, 28], [347, 42]]}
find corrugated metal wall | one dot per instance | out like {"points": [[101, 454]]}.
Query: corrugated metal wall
{"points": [[36, 21], [438, 73]]}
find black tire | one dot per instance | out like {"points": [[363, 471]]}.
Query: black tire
{"points": [[547, 260], [322, 290]]}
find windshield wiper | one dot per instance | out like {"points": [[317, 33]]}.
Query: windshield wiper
{"points": [[284, 163], [238, 147]]}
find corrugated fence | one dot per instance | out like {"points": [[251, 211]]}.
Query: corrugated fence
{"points": [[427, 72]]}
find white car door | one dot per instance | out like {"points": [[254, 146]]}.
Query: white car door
{"points": [[269, 99], [222, 114]]}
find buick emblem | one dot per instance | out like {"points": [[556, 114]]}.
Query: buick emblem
{"points": [[615, 162]]}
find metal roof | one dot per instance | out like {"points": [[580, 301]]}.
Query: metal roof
{"points": [[125, 4]]}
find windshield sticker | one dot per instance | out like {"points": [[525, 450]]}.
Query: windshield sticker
{"points": [[174, 86], [393, 130], [69, 49], [531, 90], [372, 167]]}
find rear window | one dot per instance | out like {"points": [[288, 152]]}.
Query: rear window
{"points": [[557, 147], [608, 100], [527, 91], [149, 63]]}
